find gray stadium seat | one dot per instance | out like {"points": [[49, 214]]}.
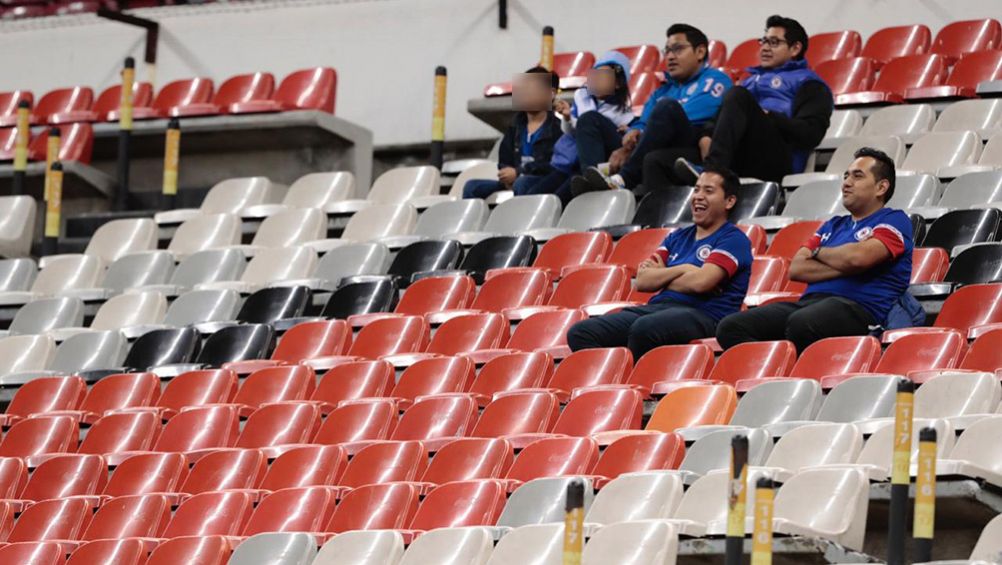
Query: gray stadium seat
{"points": [[17, 274], [395, 186], [981, 115], [287, 228], [646, 495], [768, 403], [450, 546], [47, 314], [315, 190], [907, 121], [361, 546], [857, 399], [442, 220], [813, 200], [713, 452], [591, 210], [17, 225], [540, 501], [271, 265], [131, 271], [116, 239], [971, 190], [200, 306], [517, 215], [275, 549], [229, 196], [840, 160], [204, 231], [935, 151], [372, 223], [69, 272]]}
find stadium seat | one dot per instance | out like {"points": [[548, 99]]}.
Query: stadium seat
{"points": [[843, 156], [573, 250], [120, 433], [351, 380], [373, 223], [791, 238], [899, 41], [17, 228], [288, 228], [367, 297], [108, 101], [970, 190], [146, 473], [517, 412], [536, 543], [837, 356], [40, 396], [58, 519], [635, 496], [236, 343], [935, 151], [353, 424], [590, 367], [57, 101], [312, 190], [303, 466], [205, 267], [958, 38], [385, 462], [921, 351], [929, 265], [959, 228], [511, 371], [988, 546], [441, 220], [712, 452], [27, 353], [204, 231], [972, 310], [908, 121], [306, 89], [716, 53], [269, 266], [468, 459], [972, 69], [17, 274], [279, 548], [121, 551], [583, 287], [368, 258], [422, 258], [505, 289], [130, 313], [757, 199], [223, 470], [273, 428], [305, 340], [33, 553], [435, 420], [9, 101], [972, 456], [543, 331], [691, 406], [196, 388], [980, 115], [755, 360], [90, 355], [427, 295], [233, 91], [589, 211], [274, 384], [76, 143], [388, 336], [454, 545], [634, 247], [837, 507], [594, 411], [843, 124], [814, 446], [897, 76], [199, 428], [632, 543], [553, 457], [850, 74], [203, 307], [13, 477], [877, 454], [517, 215], [958, 397], [395, 186], [378, 546], [473, 169], [984, 353], [385, 506], [61, 477], [813, 200], [834, 45], [431, 376], [172, 97], [210, 514], [228, 196], [854, 398], [134, 272], [990, 160], [643, 58], [976, 264], [274, 304], [498, 253], [671, 363], [41, 316], [460, 504], [768, 403], [540, 501], [744, 55], [637, 454], [642, 85]]}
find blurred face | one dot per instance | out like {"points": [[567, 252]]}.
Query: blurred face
{"points": [[532, 92], [860, 189], [682, 60], [774, 51], [709, 202], [602, 81]]}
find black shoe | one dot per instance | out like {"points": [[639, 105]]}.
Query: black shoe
{"points": [[592, 180], [687, 171]]}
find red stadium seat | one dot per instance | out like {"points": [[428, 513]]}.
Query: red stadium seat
{"points": [[545, 331], [177, 94], [380, 337], [427, 295], [211, 514], [306, 466], [471, 332], [897, 76], [572, 67], [433, 376], [755, 360], [460, 504], [306, 89], [57, 519], [116, 392], [518, 412], [743, 56], [63, 476], [32, 553], [670, 363], [837, 356], [957, 38], [40, 436], [716, 53], [276, 425], [756, 235], [234, 90], [506, 288], [211, 550], [922, 352], [641, 452], [643, 58], [120, 433], [985, 353], [852, 74], [387, 506], [971, 309], [146, 473], [642, 85], [44, 395], [117, 551], [196, 388], [900, 41], [77, 7], [108, 101], [553, 457], [598, 283], [436, 420], [768, 273], [76, 143], [274, 384], [929, 264], [833, 45], [469, 459], [73, 99], [8, 139], [358, 422], [8, 105], [13, 477], [142, 516], [790, 239], [596, 411], [573, 249], [199, 428], [972, 69], [348, 381], [226, 469], [306, 340], [590, 367], [386, 462], [636, 247], [512, 371], [304, 509]]}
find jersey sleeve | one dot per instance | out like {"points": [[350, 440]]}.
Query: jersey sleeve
{"points": [[731, 253], [663, 250], [814, 241], [895, 232]]}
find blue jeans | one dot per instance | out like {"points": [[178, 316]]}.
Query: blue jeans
{"points": [[482, 188], [642, 328]]}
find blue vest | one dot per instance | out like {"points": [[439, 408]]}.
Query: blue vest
{"points": [[775, 90]]}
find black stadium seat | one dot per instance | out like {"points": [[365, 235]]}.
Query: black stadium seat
{"points": [[362, 297], [424, 256], [498, 253], [163, 347], [275, 303], [963, 227], [237, 343]]}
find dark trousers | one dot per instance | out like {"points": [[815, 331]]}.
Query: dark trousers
{"points": [[812, 318], [596, 137], [667, 128], [747, 141], [642, 328], [556, 182], [482, 188]]}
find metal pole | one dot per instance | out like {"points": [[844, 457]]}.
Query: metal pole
{"points": [[172, 152], [503, 14], [125, 133], [53, 208], [736, 498], [21, 146], [438, 117], [923, 528], [51, 156], [762, 533], [574, 523], [900, 473], [546, 52]]}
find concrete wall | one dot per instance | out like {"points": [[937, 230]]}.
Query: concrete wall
{"points": [[385, 51]]}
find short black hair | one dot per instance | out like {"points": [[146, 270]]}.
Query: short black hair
{"points": [[693, 34], [732, 183], [795, 33], [883, 168], [554, 79]]}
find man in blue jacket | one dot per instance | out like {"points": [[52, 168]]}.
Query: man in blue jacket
{"points": [[672, 116], [769, 124]]}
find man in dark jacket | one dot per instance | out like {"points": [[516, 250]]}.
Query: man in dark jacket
{"points": [[768, 125], [527, 146]]}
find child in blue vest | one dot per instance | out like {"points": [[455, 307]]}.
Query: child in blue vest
{"points": [[767, 127]]}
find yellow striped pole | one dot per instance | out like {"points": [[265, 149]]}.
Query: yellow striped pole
{"points": [[172, 155], [53, 207], [546, 51], [125, 133], [923, 528], [438, 117], [51, 156], [21, 138], [737, 496], [574, 523], [900, 472], [762, 531]]}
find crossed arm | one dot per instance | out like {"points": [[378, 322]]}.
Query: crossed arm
{"points": [[834, 262], [653, 276]]}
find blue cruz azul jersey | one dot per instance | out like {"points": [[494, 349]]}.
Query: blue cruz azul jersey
{"points": [[700, 96], [879, 288], [728, 248]]}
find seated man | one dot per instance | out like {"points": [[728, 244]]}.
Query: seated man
{"points": [[700, 274], [767, 126], [856, 266], [671, 119]]}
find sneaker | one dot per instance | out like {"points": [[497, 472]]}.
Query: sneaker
{"points": [[592, 180], [687, 171]]}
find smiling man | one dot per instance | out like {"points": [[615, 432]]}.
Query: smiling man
{"points": [[767, 126], [856, 267], [700, 274]]}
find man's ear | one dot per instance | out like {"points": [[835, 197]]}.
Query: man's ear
{"points": [[882, 187], [730, 202], [796, 49], [701, 53]]}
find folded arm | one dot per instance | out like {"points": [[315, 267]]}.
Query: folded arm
{"points": [[807, 270]]}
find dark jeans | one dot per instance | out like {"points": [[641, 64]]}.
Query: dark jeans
{"points": [[642, 328], [596, 137], [814, 317], [667, 128], [553, 183], [482, 188], [747, 141]]}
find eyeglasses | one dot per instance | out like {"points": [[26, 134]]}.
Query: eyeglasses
{"points": [[772, 41], [676, 49]]}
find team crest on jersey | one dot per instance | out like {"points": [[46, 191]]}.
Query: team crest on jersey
{"points": [[864, 233], [703, 252], [776, 82]]}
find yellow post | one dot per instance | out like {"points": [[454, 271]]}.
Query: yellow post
{"points": [[574, 523], [438, 117], [51, 156], [546, 52], [172, 152], [762, 532], [21, 138], [125, 104], [923, 528], [900, 472], [53, 207]]}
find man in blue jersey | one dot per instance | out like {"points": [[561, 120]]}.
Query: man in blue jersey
{"points": [[769, 124], [671, 118], [700, 273], [856, 266]]}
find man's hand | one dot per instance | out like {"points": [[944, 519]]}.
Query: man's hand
{"points": [[631, 139], [563, 108], [507, 175], [617, 159], [704, 146]]}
